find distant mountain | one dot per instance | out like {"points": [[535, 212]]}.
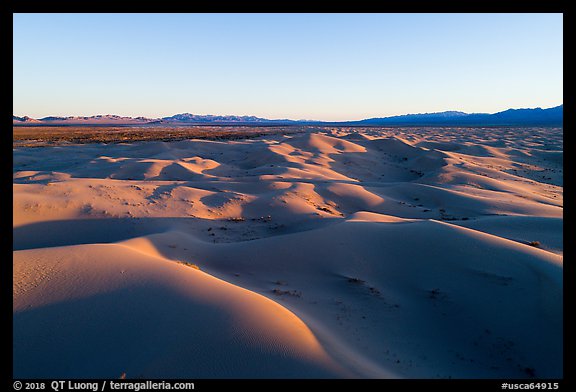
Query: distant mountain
{"points": [[420, 117], [555, 114], [511, 117], [101, 119], [52, 118], [208, 118], [24, 119], [230, 119], [111, 119]]}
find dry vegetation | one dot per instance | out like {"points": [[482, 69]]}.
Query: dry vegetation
{"points": [[191, 265], [37, 136]]}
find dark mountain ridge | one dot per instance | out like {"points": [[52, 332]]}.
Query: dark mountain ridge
{"points": [[511, 117]]}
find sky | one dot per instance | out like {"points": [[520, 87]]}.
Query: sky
{"points": [[329, 67]]}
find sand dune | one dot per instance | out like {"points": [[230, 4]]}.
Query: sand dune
{"points": [[342, 253]]}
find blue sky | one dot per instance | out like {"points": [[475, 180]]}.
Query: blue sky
{"points": [[299, 66]]}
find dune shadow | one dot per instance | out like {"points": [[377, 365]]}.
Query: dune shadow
{"points": [[87, 231], [132, 330], [70, 232], [161, 191]]}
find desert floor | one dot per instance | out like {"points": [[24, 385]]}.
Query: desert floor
{"points": [[403, 253]]}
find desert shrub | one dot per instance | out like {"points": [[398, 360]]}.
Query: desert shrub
{"points": [[191, 265]]}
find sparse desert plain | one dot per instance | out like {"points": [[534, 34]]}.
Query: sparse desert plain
{"points": [[321, 252]]}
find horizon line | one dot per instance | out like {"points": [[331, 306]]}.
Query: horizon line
{"points": [[285, 118]]}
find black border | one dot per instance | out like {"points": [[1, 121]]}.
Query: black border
{"points": [[408, 6]]}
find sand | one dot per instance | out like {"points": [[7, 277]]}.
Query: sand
{"points": [[333, 253]]}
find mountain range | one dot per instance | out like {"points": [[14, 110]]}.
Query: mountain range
{"points": [[511, 117], [537, 116]]}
